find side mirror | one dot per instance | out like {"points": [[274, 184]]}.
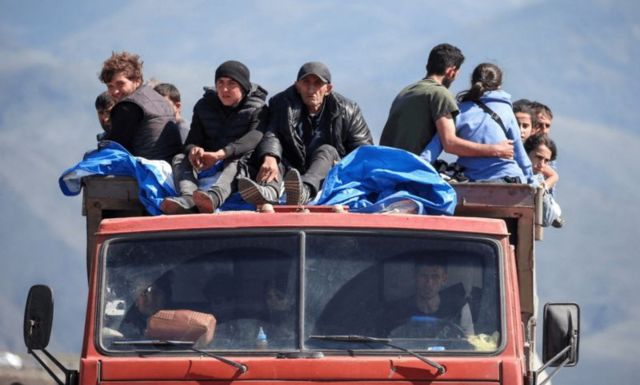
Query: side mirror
{"points": [[561, 334], [38, 317]]}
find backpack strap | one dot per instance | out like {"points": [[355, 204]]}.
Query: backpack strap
{"points": [[494, 116]]}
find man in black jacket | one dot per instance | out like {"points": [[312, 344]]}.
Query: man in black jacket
{"points": [[310, 129], [142, 121], [228, 122]]}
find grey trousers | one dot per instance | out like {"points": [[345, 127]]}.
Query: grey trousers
{"points": [[186, 180], [320, 162]]}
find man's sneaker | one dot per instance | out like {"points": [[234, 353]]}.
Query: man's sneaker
{"points": [[178, 205], [297, 192], [206, 201], [255, 193], [558, 222]]}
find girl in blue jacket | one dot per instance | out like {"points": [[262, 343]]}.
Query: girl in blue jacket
{"points": [[486, 116]]}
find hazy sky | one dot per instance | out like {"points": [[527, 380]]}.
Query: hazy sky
{"points": [[580, 57]]}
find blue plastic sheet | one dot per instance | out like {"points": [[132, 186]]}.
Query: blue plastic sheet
{"points": [[374, 178], [154, 177]]}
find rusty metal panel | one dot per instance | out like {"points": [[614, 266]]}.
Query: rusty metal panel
{"points": [[495, 195], [107, 197], [519, 205]]}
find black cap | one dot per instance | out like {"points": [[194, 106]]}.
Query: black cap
{"points": [[315, 68], [236, 71]]}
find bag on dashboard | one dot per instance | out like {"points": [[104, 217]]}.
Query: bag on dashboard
{"points": [[181, 325]]}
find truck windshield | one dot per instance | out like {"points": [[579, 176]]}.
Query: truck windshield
{"points": [[225, 291]]}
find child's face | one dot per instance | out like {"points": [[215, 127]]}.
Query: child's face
{"points": [[524, 122], [104, 116], [540, 158]]}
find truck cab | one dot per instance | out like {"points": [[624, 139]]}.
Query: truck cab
{"points": [[313, 294]]}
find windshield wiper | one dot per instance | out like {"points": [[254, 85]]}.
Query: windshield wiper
{"points": [[187, 344], [384, 341]]}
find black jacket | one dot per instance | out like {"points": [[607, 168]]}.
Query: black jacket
{"points": [[237, 130], [342, 119]]}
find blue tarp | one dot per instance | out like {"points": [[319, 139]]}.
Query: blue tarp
{"points": [[110, 158], [373, 178], [370, 179], [154, 176]]}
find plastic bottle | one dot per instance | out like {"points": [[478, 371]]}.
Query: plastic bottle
{"points": [[403, 206], [261, 339]]}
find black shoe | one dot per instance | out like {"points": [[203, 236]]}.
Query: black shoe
{"points": [[178, 205], [255, 193], [206, 201], [297, 192], [558, 222]]}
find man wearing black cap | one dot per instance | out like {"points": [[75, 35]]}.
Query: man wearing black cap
{"points": [[310, 129], [228, 122]]}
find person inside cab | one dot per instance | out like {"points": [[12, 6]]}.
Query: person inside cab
{"points": [[434, 310]]}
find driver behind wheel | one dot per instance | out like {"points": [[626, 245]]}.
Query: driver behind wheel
{"points": [[437, 307]]}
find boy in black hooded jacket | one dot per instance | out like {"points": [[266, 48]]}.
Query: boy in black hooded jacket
{"points": [[228, 123]]}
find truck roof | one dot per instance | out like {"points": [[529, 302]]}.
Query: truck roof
{"points": [[310, 218]]}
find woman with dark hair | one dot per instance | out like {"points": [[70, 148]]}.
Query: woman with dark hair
{"points": [[542, 151], [486, 116]]}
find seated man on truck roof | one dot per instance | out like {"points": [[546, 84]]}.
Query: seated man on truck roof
{"points": [[228, 123], [311, 128], [434, 311], [142, 120]]}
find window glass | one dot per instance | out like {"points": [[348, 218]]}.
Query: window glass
{"points": [[171, 288], [241, 292], [422, 293]]}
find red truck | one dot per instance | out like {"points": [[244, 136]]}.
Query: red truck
{"points": [[311, 295]]}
